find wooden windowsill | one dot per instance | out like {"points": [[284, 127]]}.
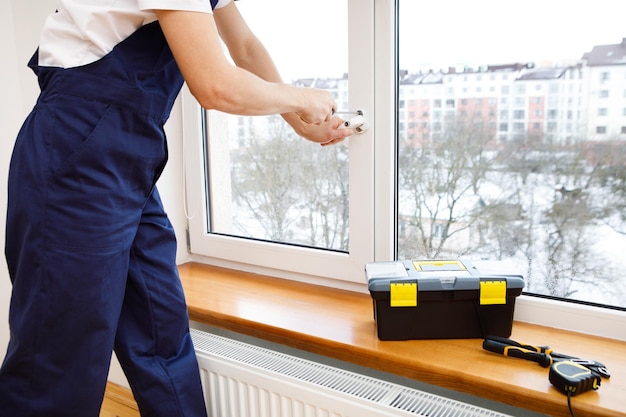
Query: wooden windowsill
{"points": [[339, 324]]}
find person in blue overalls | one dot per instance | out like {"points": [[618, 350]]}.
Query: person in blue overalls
{"points": [[90, 250]]}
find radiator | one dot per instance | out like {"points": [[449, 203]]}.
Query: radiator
{"points": [[243, 380]]}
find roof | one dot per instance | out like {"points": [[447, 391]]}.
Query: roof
{"points": [[420, 78], [607, 54], [542, 74]]}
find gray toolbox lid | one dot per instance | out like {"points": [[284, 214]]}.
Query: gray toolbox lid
{"points": [[440, 275]]}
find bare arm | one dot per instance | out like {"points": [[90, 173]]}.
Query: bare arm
{"points": [[253, 85], [217, 84]]}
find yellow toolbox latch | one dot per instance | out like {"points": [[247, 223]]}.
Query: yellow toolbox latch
{"points": [[403, 293], [492, 291]]}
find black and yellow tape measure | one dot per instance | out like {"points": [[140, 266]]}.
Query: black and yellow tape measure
{"points": [[573, 378], [568, 374]]}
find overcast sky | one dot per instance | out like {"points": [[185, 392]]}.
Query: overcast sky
{"points": [[500, 31], [309, 38]]}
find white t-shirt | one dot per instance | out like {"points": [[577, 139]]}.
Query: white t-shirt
{"points": [[83, 31]]}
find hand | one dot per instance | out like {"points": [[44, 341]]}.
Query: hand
{"points": [[325, 133], [318, 106]]}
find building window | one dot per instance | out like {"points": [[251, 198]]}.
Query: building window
{"points": [[603, 111], [601, 130], [554, 88]]}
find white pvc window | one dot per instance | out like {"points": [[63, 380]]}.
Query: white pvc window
{"points": [[381, 221], [267, 197], [549, 194]]}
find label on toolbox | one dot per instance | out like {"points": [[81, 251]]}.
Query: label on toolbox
{"points": [[404, 280]]}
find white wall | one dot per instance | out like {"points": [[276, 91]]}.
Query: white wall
{"points": [[20, 24], [19, 29]]}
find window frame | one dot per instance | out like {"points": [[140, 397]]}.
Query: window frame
{"points": [[373, 164], [283, 258]]}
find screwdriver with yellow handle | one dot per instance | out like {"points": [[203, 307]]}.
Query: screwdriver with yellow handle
{"points": [[508, 347], [542, 355]]}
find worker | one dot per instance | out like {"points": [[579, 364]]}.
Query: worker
{"points": [[90, 250]]}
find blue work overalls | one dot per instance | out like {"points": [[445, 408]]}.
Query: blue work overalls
{"points": [[90, 250]]}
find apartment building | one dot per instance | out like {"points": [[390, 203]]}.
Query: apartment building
{"points": [[605, 82], [555, 103]]}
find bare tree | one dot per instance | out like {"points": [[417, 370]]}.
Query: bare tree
{"points": [[265, 174], [325, 196], [438, 183], [571, 259], [295, 190], [447, 191], [557, 244], [611, 178]]}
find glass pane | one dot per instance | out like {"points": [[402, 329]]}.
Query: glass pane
{"points": [[512, 140], [265, 182]]}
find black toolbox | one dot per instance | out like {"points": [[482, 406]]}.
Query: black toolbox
{"points": [[441, 299]]}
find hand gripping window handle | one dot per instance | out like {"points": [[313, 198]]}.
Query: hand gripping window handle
{"points": [[357, 122]]}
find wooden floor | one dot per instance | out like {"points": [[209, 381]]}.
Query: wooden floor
{"points": [[118, 402]]}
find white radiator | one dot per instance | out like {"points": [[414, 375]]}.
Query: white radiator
{"points": [[243, 380]]}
